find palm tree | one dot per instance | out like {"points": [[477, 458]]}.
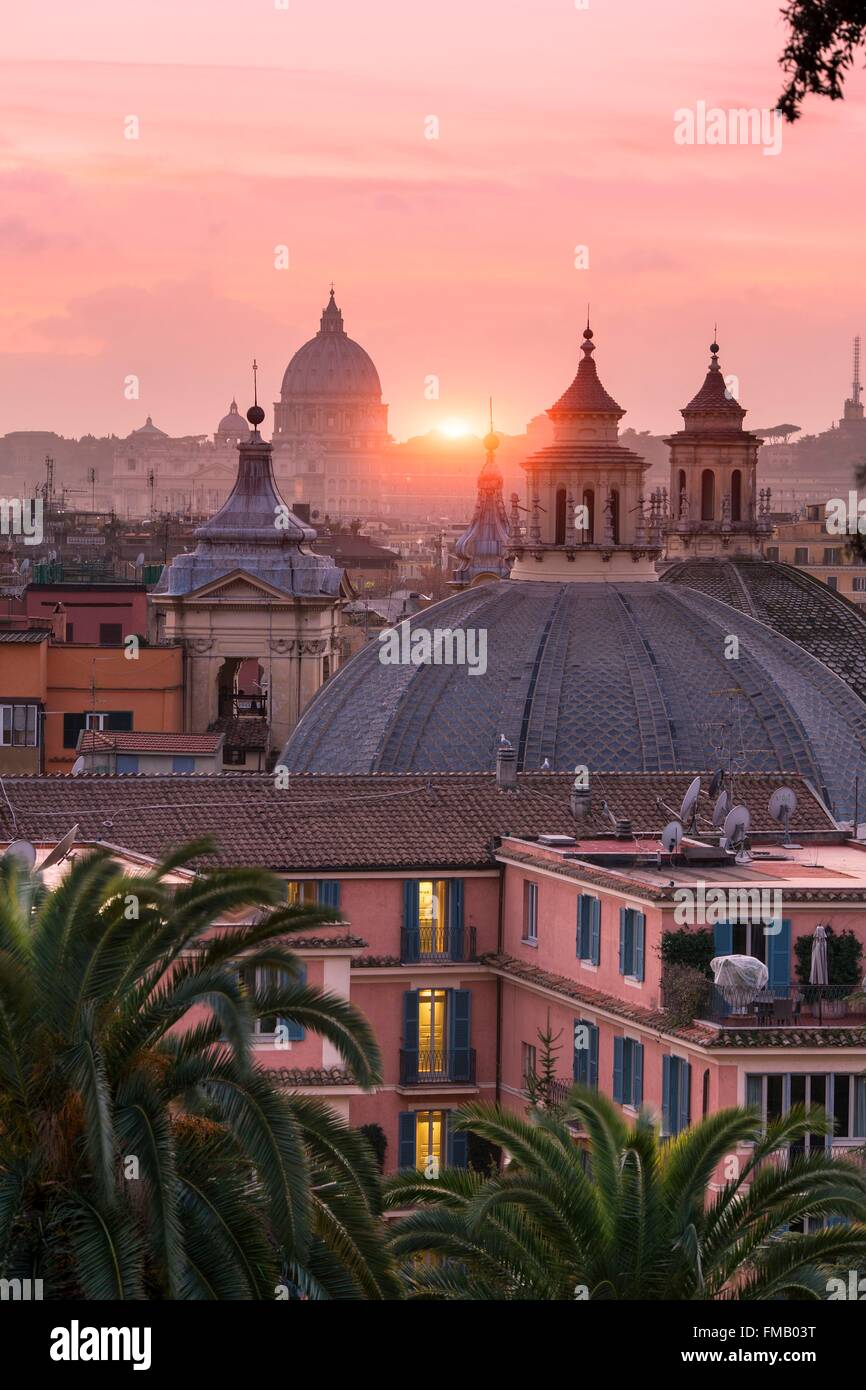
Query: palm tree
{"points": [[631, 1216], [143, 1153]]}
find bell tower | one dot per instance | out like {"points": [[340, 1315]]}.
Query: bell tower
{"points": [[715, 505], [586, 515]]}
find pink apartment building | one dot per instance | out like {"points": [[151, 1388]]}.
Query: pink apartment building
{"points": [[472, 917]]}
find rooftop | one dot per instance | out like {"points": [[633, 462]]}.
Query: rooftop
{"points": [[377, 821]]}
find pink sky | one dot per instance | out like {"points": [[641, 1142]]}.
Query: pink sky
{"points": [[305, 126]]}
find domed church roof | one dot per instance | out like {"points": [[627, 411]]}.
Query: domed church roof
{"points": [[233, 424], [331, 364], [627, 677]]}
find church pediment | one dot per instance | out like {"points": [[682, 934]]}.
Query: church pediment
{"points": [[238, 586]]}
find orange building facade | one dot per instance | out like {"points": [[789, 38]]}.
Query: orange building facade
{"points": [[50, 691]]}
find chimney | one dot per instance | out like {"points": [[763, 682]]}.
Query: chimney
{"points": [[506, 766], [581, 800], [58, 623]]}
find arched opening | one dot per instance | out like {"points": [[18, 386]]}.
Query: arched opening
{"points": [[242, 688], [679, 502], [589, 504], [708, 495], [736, 495], [614, 515], [559, 532]]}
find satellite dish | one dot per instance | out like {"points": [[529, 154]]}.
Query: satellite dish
{"points": [[139, 560], [783, 804], [23, 852], [734, 832], [688, 810], [61, 849], [721, 808], [716, 782], [672, 837], [77, 767], [24, 567]]}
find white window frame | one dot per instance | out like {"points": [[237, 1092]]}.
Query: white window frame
{"points": [[31, 738], [530, 912]]}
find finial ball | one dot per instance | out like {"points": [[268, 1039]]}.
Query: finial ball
{"points": [[255, 415], [491, 442]]}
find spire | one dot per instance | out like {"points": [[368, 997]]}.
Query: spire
{"points": [[586, 393], [713, 400], [483, 546]]}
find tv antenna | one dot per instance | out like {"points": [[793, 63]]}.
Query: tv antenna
{"points": [[783, 804]]}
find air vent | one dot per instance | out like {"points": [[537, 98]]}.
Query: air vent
{"points": [[556, 841]]}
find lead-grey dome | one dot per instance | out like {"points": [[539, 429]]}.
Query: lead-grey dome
{"points": [[617, 676], [331, 364]]}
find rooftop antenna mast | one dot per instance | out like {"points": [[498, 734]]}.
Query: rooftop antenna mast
{"points": [[856, 388]]}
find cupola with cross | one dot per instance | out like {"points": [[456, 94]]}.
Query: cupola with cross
{"points": [[586, 515], [715, 504]]}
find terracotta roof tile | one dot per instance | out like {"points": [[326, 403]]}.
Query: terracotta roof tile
{"points": [[139, 741], [372, 821]]}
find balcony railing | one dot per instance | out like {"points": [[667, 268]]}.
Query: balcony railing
{"points": [[437, 1066], [234, 706], [431, 943], [777, 1006]]}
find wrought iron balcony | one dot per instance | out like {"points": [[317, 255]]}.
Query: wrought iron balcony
{"points": [[781, 1006], [236, 706], [437, 944], [437, 1066]]}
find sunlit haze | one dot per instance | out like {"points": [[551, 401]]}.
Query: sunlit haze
{"points": [[452, 257]]}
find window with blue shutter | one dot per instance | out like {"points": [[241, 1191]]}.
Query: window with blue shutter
{"points": [[588, 928], [409, 1071], [459, 1034], [632, 934], [676, 1094], [455, 917], [585, 1070], [779, 957], [406, 1139], [618, 1070], [328, 892], [628, 1072], [183, 764], [294, 1031], [411, 933], [723, 939], [458, 1144], [127, 762]]}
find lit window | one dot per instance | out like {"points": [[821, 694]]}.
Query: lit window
{"points": [[433, 916], [429, 1128]]}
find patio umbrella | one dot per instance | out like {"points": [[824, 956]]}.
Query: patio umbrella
{"points": [[818, 971]]}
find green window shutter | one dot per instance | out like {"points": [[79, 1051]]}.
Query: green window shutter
{"points": [[578, 947], [406, 1139], [410, 1033], [618, 1061], [296, 1032], [580, 1064], [637, 1075], [666, 1094], [622, 941], [411, 932], [459, 1030], [595, 933], [779, 958], [455, 917], [639, 927], [458, 1145], [592, 1076], [685, 1096], [723, 939]]}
